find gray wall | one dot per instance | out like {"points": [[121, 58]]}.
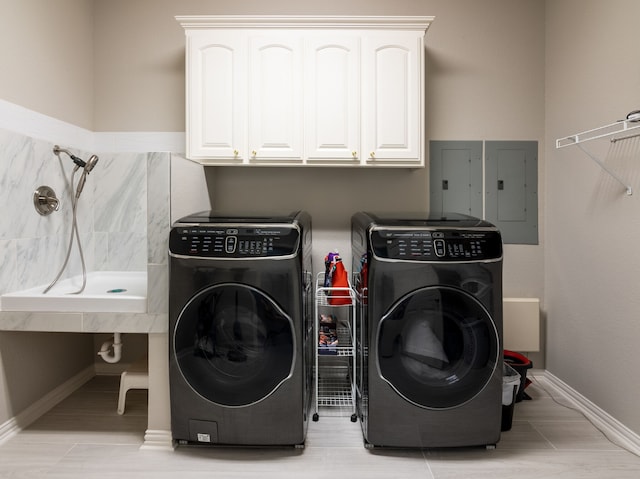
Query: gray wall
{"points": [[592, 259], [47, 53]]}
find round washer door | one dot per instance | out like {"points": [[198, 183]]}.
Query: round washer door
{"points": [[437, 347], [234, 345]]}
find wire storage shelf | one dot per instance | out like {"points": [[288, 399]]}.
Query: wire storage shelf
{"points": [[335, 394], [618, 131], [334, 326]]}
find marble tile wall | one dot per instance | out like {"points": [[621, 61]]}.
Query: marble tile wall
{"points": [[112, 213], [158, 225]]}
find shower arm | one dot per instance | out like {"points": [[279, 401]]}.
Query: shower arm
{"points": [[78, 161]]}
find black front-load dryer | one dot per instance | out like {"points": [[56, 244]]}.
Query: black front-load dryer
{"points": [[240, 317], [429, 318]]}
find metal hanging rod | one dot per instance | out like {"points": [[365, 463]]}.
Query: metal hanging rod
{"points": [[613, 140]]}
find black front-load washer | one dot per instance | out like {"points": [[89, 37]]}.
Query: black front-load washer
{"points": [[240, 320], [429, 314]]}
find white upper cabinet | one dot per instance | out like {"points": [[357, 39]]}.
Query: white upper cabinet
{"points": [[324, 91]]}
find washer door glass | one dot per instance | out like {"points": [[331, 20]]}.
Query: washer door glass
{"points": [[234, 345], [437, 347]]}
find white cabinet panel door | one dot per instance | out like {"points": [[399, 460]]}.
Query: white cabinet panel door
{"points": [[216, 96], [332, 96], [392, 96], [275, 98]]}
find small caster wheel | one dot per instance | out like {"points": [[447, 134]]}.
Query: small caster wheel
{"points": [[315, 417], [354, 417], [491, 447]]}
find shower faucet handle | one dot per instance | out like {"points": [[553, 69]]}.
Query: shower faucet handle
{"points": [[45, 200]]}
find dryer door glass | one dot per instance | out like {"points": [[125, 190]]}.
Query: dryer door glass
{"points": [[437, 347], [234, 345]]}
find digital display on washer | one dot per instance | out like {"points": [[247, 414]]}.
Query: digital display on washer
{"points": [[436, 245], [224, 241]]}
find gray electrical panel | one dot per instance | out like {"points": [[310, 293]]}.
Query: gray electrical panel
{"points": [[511, 187], [455, 177]]}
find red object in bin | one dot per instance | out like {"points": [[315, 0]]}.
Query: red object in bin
{"points": [[339, 279], [520, 363]]}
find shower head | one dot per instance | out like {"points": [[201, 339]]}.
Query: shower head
{"points": [[87, 166], [91, 162]]}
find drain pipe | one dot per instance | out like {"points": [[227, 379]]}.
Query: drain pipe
{"points": [[106, 350]]}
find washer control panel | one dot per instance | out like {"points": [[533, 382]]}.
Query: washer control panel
{"points": [[224, 241], [436, 245]]}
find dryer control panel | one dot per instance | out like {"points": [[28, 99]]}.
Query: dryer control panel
{"points": [[436, 245], [226, 241]]}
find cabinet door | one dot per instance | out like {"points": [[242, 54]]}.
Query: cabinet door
{"points": [[392, 88], [275, 98], [332, 96], [216, 92]]}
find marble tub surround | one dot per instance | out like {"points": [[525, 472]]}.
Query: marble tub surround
{"points": [[158, 207], [120, 212], [158, 289], [30, 244], [111, 213], [121, 187], [123, 216]]}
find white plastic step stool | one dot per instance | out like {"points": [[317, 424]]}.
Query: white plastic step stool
{"points": [[136, 377]]}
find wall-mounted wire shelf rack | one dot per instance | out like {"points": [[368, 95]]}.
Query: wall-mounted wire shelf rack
{"points": [[620, 130]]}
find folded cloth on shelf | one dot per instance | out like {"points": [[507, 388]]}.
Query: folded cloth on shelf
{"points": [[328, 335]]}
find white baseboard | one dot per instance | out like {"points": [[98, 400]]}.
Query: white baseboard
{"points": [[44, 404], [610, 426], [157, 439]]}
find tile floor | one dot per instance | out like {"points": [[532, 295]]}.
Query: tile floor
{"points": [[83, 437]]}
